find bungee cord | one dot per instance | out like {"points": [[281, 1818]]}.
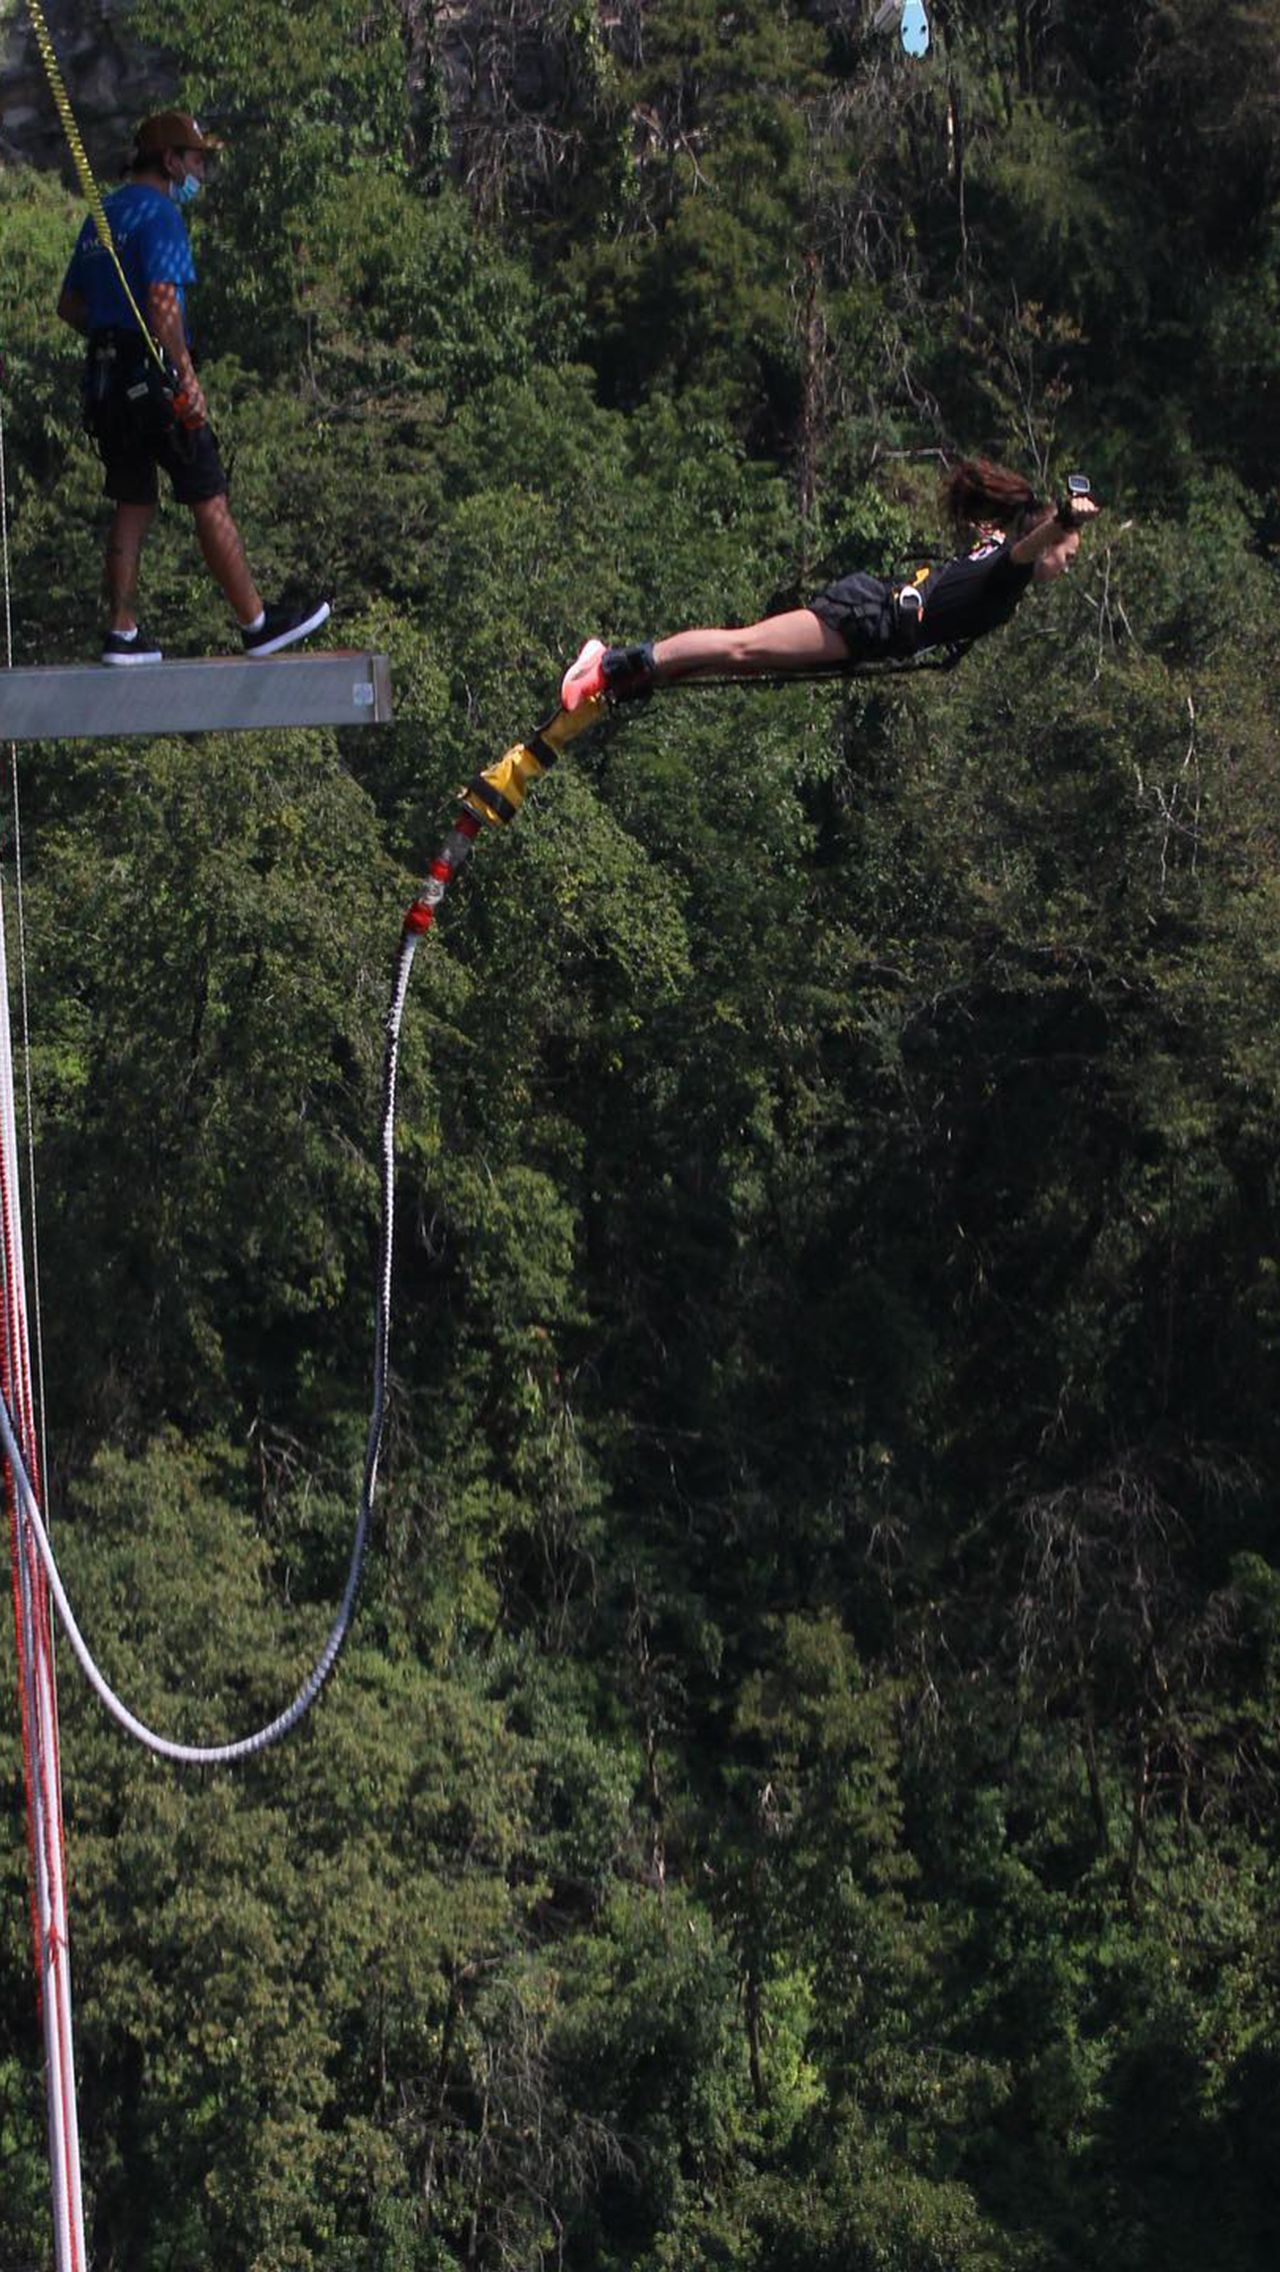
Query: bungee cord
{"points": [[493, 797], [20, 903], [261, 1739], [186, 1754]]}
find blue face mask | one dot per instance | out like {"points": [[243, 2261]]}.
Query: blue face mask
{"points": [[183, 191]]}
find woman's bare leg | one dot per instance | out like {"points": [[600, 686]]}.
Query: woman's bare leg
{"points": [[793, 642]]}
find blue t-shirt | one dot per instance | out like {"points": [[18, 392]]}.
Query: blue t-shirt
{"points": [[154, 248]]}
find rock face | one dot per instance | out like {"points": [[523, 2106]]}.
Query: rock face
{"points": [[112, 83], [503, 70]]}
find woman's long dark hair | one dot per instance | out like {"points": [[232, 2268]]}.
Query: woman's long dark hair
{"points": [[976, 491]]}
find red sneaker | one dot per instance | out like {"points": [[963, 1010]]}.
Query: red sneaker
{"points": [[584, 679]]}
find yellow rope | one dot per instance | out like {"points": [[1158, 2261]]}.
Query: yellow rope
{"points": [[53, 73]]}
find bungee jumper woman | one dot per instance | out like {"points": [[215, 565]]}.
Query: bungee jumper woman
{"points": [[862, 619]]}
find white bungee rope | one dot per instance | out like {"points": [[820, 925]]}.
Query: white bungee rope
{"points": [[247, 1747], [493, 798]]}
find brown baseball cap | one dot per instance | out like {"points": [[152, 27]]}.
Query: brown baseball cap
{"points": [[172, 130]]}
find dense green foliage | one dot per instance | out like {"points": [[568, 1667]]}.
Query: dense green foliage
{"points": [[801, 1796]]}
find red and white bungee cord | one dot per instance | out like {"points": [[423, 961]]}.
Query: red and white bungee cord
{"points": [[39, 1702], [37, 1687]]}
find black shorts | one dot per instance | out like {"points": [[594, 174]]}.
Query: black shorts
{"points": [[191, 461], [137, 438], [864, 612]]}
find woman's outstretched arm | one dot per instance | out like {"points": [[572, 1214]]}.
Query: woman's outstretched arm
{"points": [[1050, 533]]}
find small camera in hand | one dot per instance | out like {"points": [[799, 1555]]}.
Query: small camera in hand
{"points": [[1078, 485]]}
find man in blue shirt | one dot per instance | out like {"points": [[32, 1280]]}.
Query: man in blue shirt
{"points": [[143, 421]]}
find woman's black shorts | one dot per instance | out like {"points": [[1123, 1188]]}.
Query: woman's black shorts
{"points": [[863, 610]]}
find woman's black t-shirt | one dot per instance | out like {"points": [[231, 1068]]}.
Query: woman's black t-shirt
{"points": [[962, 599], [973, 594]]}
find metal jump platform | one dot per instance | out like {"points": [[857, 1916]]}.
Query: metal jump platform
{"points": [[217, 695]]}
